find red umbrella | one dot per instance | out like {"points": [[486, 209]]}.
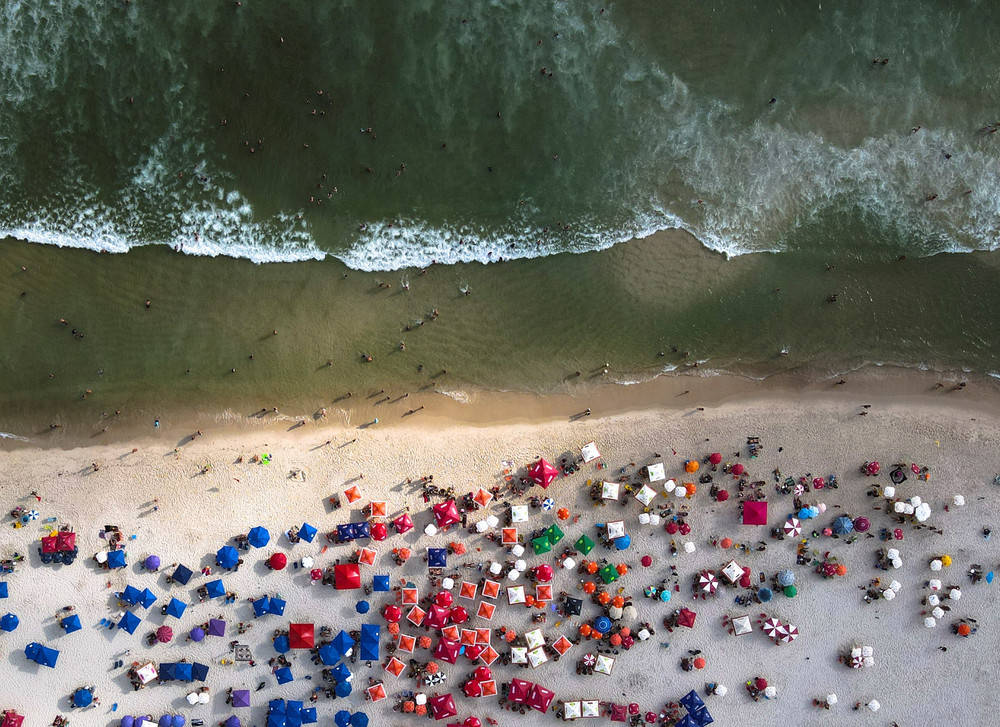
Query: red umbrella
{"points": [[686, 618], [443, 598], [543, 572], [738, 469], [715, 458], [647, 561], [760, 683], [392, 613], [872, 468], [403, 523], [379, 531], [315, 574], [633, 708], [442, 706], [472, 688], [277, 561], [459, 615], [684, 528], [650, 717], [472, 721], [482, 673], [164, 634], [897, 534], [671, 527], [722, 495], [446, 513], [862, 524]]}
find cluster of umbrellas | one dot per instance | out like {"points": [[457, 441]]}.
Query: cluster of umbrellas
{"points": [[780, 633], [166, 720], [862, 657]]}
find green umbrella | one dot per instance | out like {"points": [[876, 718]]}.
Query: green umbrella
{"points": [[790, 591]]}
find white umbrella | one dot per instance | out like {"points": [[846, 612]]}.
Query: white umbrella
{"points": [[916, 501], [204, 698], [935, 565], [192, 698], [888, 594], [889, 491], [933, 600], [733, 571], [770, 692], [630, 613], [492, 520], [644, 518], [669, 486], [689, 547], [874, 705], [431, 529], [895, 585], [495, 568], [615, 612], [831, 699], [934, 584], [680, 492], [520, 565], [720, 690], [569, 564], [591, 708], [589, 452], [307, 561], [930, 622], [922, 512], [892, 553], [899, 507], [448, 583], [897, 563], [548, 503], [101, 557], [514, 574], [954, 594], [517, 550], [420, 699], [867, 651], [482, 527], [959, 500], [643, 634], [654, 519], [938, 612], [32, 514]]}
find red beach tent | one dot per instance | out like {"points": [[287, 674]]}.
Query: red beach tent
{"points": [[446, 513], [346, 576], [542, 473], [442, 706], [755, 513], [301, 636]]}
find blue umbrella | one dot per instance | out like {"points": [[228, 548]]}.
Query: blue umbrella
{"points": [[664, 596], [622, 542], [259, 537], [215, 588], [164, 721], [233, 721], [261, 606], [328, 655], [175, 608], [199, 671], [309, 715], [343, 642], [359, 719], [130, 622], [343, 689], [281, 644], [82, 698], [362, 606], [9, 622], [340, 672], [127, 721], [184, 671], [197, 633], [381, 583], [284, 675], [71, 624], [226, 556], [116, 559], [843, 525], [989, 577], [437, 558], [131, 595], [805, 513], [277, 606], [342, 718], [182, 575], [307, 532], [603, 624], [178, 721], [152, 562], [3, 589], [786, 577], [147, 598], [765, 595]]}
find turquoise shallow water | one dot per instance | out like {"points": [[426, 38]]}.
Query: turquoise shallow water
{"points": [[372, 140]]}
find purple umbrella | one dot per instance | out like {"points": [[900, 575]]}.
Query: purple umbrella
{"points": [[862, 524], [216, 627], [197, 633], [152, 562], [241, 698], [233, 721]]}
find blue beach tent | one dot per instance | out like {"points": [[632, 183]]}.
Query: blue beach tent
{"points": [[307, 532], [129, 622], [261, 606], [116, 559], [131, 595], [147, 598], [175, 608], [182, 574], [284, 675], [71, 624], [215, 588]]}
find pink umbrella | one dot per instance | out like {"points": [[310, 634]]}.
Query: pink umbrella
{"points": [[684, 528], [872, 468], [650, 717], [403, 523], [897, 534], [738, 469], [771, 627], [633, 708], [646, 561], [792, 528], [915, 469], [788, 633], [472, 721], [819, 483], [671, 527], [482, 673], [722, 495], [379, 531], [708, 582], [862, 524], [164, 634], [472, 688], [715, 458]]}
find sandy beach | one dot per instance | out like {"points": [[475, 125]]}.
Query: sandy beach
{"points": [[183, 500]]}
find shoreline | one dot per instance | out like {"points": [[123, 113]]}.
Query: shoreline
{"points": [[691, 391]]}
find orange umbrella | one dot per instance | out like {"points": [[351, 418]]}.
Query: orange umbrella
{"points": [[622, 569], [529, 600], [603, 597], [726, 543], [510, 636], [424, 642], [691, 466], [585, 630], [841, 569], [432, 667], [589, 587], [591, 567], [393, 629], [625, 631], [964, 630], [408, 707], [617, 601], [616, 640], [699, 663], [421, 709], [595, 634], [562, 513], [457, 548], [690, 488]]}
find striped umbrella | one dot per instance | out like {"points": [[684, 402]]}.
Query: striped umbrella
{"points": [[548, 503], [792, 528], [32, 514], [771, 627]]}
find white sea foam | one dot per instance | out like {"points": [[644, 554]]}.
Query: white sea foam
{"points": [[16, 437], [460, 396]]}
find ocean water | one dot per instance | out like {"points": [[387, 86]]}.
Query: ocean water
{"points": [[243, 131], [651, 206]]}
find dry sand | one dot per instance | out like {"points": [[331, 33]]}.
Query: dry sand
{"points": [[915, 682]]}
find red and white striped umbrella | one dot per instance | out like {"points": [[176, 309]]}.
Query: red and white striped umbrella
{"points": [[708, 582], [589, 659], [788, 633], [771, 627], [792, 528]]}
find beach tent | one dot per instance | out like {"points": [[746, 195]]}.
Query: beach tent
{"points": [[182, 574], [232, 721], [701, 717], [437, 558], [446, 513], [9, 622], [71, 623], [542, 473], [381, 583], [403, 523], [584, 545], [3, 589], [199, 672], [175, 608], [540, 698], [519, 691], [261, 606], [343, 642], [147, 598], [755, 513], [168, 671], [691, 701], [328, 655], [541, 545], [41, 654], [116, 559], [241, 698], [686, 618], [226, 557], [259, 537], [369, 646], [130, 595], [301, 636], [447, 650], [12, 719], [284, 675], [442, 706], [608, 574], [216, 627], [276, 606], [345, 532], [130, 622], [346, 576], [184, 672], [215, 588], [307, 532]]}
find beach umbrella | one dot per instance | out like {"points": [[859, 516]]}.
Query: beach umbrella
{"points": [[71, 624], [362, 606], [602, 624], [175, 608], [542, 473], [646, 561], [359, 719], [129, 622], [197, 633], [843, 525], [182, 574], [82, 698], [715, 458], [897, 476], [284, 675], [343, 689], [277, 561], [226, 556], [686, 618], [259, 536], [862, 524], [707, 582], [281, 644], [722, 495], [664, 595], [116, 559], [403, 523], [788, 633], [232, 721], [215, 589], [9, 622], [241, 698], [684, 529], [755, 512], [379, 531], [691, 466], [785, 577], [164, 634], [342, 718], [765, 595], [216, 627], [152, 562]]}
